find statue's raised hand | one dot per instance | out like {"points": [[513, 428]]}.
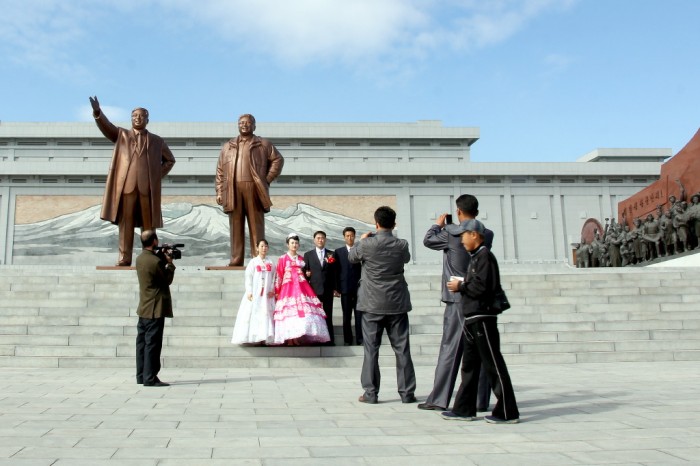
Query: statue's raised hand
{"points": [[95, 105]]}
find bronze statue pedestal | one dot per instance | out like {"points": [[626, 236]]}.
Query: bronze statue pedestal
{"points": [[224, 267]]}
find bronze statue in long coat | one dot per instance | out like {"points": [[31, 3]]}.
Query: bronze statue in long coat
{"points": [[132, 196]]}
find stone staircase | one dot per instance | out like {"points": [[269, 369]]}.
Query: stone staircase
{"points": [[82, 317]]}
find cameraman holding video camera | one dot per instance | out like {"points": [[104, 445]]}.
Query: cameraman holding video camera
{"points": [[155, 270]]}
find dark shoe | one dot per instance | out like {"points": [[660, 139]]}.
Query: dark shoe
{"points": [[451, 416], [157, 383], [430, 406], [481, 409], [409, 399], [139, 381], [365, 399], [123, 264], [498, 420]]}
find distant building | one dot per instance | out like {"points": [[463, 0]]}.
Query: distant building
{"points": [[48, 170]]}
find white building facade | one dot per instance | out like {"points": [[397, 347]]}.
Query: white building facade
{"points": [[535, 209]]}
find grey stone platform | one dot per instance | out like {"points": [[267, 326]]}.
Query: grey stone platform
{"points": [[605, 365], [622, 413], [82, 317]]}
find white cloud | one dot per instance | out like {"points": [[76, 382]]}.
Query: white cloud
{"points": [[303, 31], [478, 24], [40, 34], [354, 33], [557, 63]]}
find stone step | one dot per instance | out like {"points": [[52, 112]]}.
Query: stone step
{"points": [[326, 360], [220, 346], [75, 317]]}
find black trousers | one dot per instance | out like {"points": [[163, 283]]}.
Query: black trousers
{"points": [[149, 342], [327, 302], [396, 325], [482, 346], [450, 359], [348, 301]]}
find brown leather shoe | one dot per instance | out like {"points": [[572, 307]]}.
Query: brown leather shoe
{"points": [[157, 384], [365, 399]]}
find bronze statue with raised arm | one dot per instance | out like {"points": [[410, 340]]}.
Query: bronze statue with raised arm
{"points": [[132, 191], [247, 165]]}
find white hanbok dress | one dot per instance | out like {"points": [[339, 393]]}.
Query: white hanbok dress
{"points": [[254, 322]]}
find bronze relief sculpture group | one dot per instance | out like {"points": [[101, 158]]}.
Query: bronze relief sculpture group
{"points": [[671, 231]]}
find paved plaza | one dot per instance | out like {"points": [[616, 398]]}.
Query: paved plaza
{"points": [[572, 414]]}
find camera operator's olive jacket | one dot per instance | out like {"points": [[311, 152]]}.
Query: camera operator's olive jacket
{"points": [[154, 286]]}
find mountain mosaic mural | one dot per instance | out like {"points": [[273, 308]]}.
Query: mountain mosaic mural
{"points": [[82, 238]]}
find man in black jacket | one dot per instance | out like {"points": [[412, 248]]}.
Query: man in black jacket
{"points": [[481, 338], [347, 279]]}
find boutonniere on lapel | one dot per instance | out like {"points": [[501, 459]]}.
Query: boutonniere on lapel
{"points": [[329, 258]]}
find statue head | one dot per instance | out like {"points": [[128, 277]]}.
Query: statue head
{"points": [[672, 199], [139, 118], [246, 124]]}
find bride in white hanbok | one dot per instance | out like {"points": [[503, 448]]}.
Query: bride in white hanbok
{"points": [[254, 324]]}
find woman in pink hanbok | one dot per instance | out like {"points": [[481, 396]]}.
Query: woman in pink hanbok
{"points": [[254, 323], [299, 317]]}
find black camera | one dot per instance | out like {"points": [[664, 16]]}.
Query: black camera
{"points": [[169, 249], [448, 219]]}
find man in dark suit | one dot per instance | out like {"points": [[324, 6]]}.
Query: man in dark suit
{"points": [[155, 273], [347, 278], [132, 191], [447, 238], [384, 300], [319, 266]]}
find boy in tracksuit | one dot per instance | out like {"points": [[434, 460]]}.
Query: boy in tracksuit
{"points": [[482, 340]]}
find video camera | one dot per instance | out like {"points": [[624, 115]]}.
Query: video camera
{"points": [[169, 249]]}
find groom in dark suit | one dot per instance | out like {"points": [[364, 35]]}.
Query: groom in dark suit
{"points": [[347, 278], [319, 266]]}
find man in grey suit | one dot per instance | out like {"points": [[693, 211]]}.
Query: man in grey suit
{"points": [[384, 299], [447, 238]]}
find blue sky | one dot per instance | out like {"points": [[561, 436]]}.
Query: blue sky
{"points": [[544, 80]]}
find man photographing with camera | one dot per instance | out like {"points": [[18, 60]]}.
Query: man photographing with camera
{"points": [[155, 270]]}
